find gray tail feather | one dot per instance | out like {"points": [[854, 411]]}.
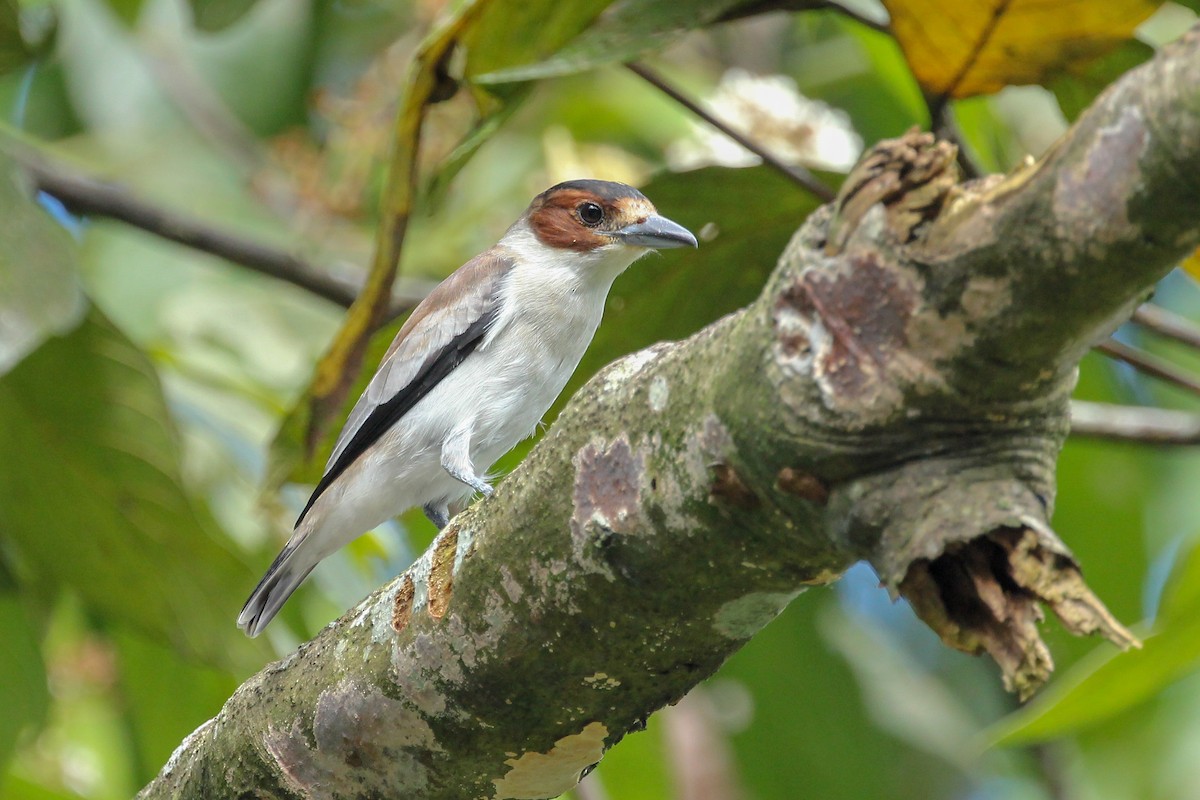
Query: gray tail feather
{"points": [[282, 578]]}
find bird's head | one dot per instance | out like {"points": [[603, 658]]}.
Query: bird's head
{"points": [[602, 221]]}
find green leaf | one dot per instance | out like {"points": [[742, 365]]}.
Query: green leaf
{"points": [[216, 15], [275, 46], [150, 673], [483, 130], [127, 11], [882, 96], [811, 733], [13, 787], [38, 293], [511, 33], [629, 29], [23, 694], [1181, 599], [97, 503], [13, 50], [1102, 686], [902, 695], [1076, 88]]}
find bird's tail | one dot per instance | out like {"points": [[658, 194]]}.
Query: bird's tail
{"points": [[286, 573]]}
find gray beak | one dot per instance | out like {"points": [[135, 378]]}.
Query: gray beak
{"points": [[657, 232]]}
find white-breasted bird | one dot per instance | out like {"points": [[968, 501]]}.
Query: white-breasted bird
{"points": [[471, 372]]}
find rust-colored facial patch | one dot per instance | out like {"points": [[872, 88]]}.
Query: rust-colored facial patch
{"points": [[562, 217]]}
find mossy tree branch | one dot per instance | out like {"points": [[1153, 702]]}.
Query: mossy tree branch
{"points": [[897, 393]]}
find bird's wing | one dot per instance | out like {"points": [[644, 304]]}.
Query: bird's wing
{"points": [[442, 331]]}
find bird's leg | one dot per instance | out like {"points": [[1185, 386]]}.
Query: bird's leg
{"points": [[456, 460], [438, 513]]}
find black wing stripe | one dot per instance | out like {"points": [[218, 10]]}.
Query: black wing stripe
{"points": [[389, 413]]}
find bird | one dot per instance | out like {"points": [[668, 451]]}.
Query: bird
{"points": [[470, 373]]}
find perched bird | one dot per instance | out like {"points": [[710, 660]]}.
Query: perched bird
{"points": [[471, 372]]}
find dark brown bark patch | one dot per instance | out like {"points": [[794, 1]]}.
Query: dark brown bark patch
{"points": [[728, 487], [803, 484]]}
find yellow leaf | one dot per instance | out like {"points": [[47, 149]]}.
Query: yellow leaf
{"points": [[1191, 265], [959, 49]]}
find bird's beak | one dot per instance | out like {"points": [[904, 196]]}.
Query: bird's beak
{"points": [[657, 232]]}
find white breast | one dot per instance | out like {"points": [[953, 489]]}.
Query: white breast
{"points": [[553, 301]]}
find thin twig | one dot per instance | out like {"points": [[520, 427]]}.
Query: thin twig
{"points": [[1156, 426], [1168, 324], [941, 116], [797, 174], [86, 195], [1150, 364], [861, 19], [767, 6]]}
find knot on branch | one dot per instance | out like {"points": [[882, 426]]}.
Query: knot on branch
{"points": [[911, 176], [985, 595]]}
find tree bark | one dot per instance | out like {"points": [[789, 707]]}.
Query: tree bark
{"points": [[898, 393]]}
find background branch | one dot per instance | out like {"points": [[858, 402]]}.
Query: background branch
{"points": [[89, 196], [1166, 323], [1149, 364], [1155, 426], [797, 174]]}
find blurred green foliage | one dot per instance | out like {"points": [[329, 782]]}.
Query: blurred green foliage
{"points": [[145, 387]]}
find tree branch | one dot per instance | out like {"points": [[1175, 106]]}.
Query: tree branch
{"points": [[1165, 323], [793, 172], [898, 392], [1149, 364], [88, 196], [1155, 426], [767, 6]]}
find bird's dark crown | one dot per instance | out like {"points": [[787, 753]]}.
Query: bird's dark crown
{"points": [[609, 191]]}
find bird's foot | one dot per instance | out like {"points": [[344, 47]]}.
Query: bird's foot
{"points": [[438, 514], [467, 476]]}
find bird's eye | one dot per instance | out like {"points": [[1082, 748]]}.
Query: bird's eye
{"points": [[590, 214]]}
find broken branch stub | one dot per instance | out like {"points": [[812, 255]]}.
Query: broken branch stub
{"points": [[956, 522]]}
